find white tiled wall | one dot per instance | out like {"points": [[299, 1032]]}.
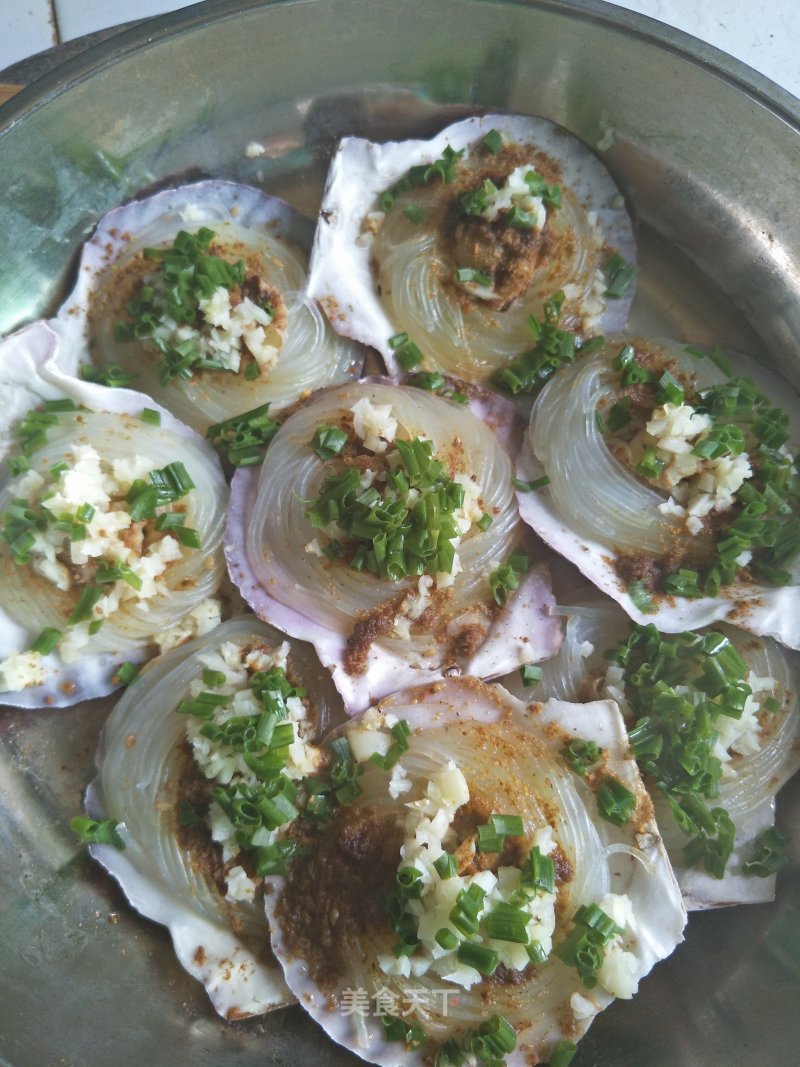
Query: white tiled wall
{"points": [[25, 28], [763, 33], [77, 17]]}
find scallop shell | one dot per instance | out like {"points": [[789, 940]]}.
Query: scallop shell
{"points": [[249, 224], [523, 631], [595, 626], [223, 944], [765, 610], [452, 713], [30, 374], [345, 279]]}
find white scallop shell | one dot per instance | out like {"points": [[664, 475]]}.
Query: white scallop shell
{"points": [[280, 590], [29, 375], [138, 763], [765, 610], [595, 626], [250, 222], [458, 704], [342, 273]]}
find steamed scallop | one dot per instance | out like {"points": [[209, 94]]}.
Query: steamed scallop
{"points": [[471, 894], [671, 484], [196, 296], [437, 253], [112, 521], [383, 527], [184, 739], [722, 700]]}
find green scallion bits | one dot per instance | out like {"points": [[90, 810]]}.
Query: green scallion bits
{"points": [[244, 439], [581, 754], [47, 640], [769, 853], [530, 675], [328, 441], [619, 276], [97, 831], [615, 802]]}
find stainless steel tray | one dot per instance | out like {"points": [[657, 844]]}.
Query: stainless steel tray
{"points": [[708, 153]]}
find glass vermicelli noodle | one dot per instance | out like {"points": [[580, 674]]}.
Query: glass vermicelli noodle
{"points": [[292, 475], [415, 281], [511, 764], [594, 493], [36, 603], [272, 239], [142, 758], [750, 778]]}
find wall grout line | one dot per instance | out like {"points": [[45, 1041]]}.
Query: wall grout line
{"points": [[54, 22]]}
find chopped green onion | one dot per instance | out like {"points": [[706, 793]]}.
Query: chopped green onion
{"points": [[414, 213], [505, 579], [491, 836], [449, 1055], [619, 276], [553, 348], [527, 487], [18, 465], [446, 939], [484, 522], [113, 375], [536, 954], [563, 1054], [86, 602], [445, 866], [683, 583], [615, 802], [213, 679], [713, 846], [633, 373], [518, 219], [530, 674], [669, 390], [46, 641], [492, 141], [581, 754], [640, 597], [410, 1034], [650, 466], [244, 438], [538, 871], [505, 922], [97, 831], [126, 672], [430, 380], [619, 415], [328, 441], [466, 275], [151, 416], [769, 854], [484, 960], [405, 351]]}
